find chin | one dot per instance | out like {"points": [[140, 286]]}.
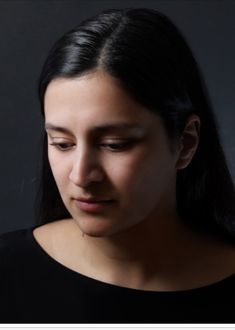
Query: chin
{"points": [[95, 228], [99, 233]]}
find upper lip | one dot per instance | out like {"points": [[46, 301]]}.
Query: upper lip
{"points": [[92, 200]]}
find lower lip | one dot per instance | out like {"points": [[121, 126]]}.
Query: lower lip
{"points": [[93, 207]]}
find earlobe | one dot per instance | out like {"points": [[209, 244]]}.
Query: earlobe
{"points": [[188, 142]]}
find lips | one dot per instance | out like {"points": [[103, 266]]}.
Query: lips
{"points": [[92, 205], [91, 200]]}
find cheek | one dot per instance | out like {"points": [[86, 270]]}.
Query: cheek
{"points": [[147, 178], [123, 170]]}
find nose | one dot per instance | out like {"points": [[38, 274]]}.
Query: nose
{"points": [[86, 168]]}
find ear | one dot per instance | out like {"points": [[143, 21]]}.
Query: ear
{"points": [[189, 141]]}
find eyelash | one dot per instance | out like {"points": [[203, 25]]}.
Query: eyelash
{"points": [[118, 146], [62, 146], [114, 147]]}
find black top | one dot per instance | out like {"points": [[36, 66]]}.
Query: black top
{"points": [[34, 288]]}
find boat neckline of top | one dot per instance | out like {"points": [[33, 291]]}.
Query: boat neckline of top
{"points": [[75, 274]]}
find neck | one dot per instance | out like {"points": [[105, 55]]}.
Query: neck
{"points": [[159, 255], [146, 239], [136, 255]]}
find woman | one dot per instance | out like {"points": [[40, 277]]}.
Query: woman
{"points": [[137, 208]]}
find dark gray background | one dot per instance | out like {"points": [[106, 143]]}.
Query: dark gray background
{"points": [[27, 31]]}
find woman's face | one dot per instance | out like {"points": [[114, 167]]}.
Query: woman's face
{"points": [[105, 147]]}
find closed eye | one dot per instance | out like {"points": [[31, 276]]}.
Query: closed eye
{"points": [[114, 147], [62, 146], [117, 146]]}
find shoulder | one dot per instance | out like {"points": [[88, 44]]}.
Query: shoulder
{"points": [[14, 245], [53, 237], [22, 259], [10, 241], [46, 234], [14, 260], [18, 242]]}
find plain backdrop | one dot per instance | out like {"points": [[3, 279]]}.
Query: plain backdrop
{"points": [[27, 31]]}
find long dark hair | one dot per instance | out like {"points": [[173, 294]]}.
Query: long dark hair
{"points": [[148, 55]]}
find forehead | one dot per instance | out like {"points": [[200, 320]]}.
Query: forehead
{"points": [[95, 99]]}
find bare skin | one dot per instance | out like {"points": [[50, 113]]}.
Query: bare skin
{"points": [[139, 241], [187, 262]]}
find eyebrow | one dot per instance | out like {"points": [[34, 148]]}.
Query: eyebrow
{"points": [[102, 128]]}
